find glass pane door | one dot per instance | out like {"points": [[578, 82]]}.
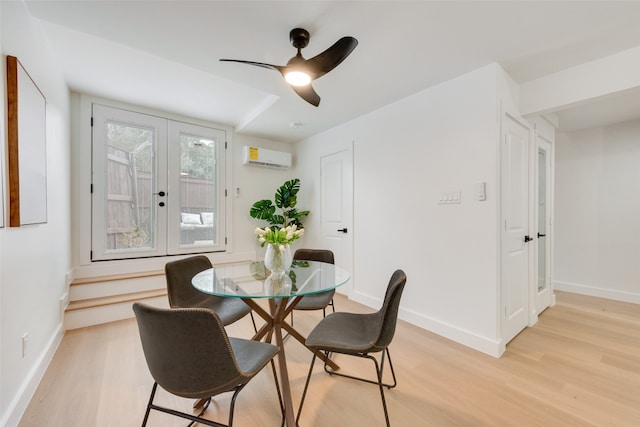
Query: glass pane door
{"points": [[542, 219], [127, 193], [195, 223]]}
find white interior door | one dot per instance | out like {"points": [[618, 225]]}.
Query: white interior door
{"points": [[542, 298], [515, 227], [336, 187]]}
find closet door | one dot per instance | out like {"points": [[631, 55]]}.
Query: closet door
{"points": [[515, 227]]}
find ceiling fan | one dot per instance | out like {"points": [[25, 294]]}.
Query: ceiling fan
{"points": [[300, 72]]}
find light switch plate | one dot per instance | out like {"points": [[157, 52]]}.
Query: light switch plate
{"points": [[450, 197]]}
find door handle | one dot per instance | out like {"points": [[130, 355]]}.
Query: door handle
{"points": [[541, 235], [343, 230], [527, 239]]}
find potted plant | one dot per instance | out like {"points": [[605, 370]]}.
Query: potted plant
{"points": [[285, 200]]}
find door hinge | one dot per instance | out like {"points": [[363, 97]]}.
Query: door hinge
{"points": [[90, 254], [91, 189], [91, 121], [225, 192], [225, 145], [225, 240]]}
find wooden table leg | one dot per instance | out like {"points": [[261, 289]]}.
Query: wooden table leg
{"points": [[277, 311], [275, 323]]}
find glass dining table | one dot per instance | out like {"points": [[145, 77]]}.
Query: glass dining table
{"points": [[252, 282]]}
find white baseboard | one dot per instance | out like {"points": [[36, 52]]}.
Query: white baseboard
{"points": [[593, 291], [483, 344], [28, 388]]}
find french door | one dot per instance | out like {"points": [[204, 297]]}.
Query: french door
{"points": [[157, 186]]}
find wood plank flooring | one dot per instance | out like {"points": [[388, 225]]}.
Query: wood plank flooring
{"points": [[578, 366]]}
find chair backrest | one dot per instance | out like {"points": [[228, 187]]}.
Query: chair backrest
{"points": [[187, 351], [388, 314], [179, 273], [321, 255]]}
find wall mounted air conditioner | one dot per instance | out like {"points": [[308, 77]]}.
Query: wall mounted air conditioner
{"points": [[267, 158]]}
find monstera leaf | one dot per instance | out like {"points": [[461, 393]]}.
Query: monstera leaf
{"points": [[286, 200]]}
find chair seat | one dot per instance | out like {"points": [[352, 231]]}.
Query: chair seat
{"points": [[315, 301], [252, 356], [228, 310], [349, 333]]}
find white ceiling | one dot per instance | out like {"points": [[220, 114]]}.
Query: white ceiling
{"points": [[164, 54]]}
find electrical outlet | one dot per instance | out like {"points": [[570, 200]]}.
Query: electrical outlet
{"points": [[25, 340]]}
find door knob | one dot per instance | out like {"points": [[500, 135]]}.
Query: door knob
{"points": [[161, 194], [342, 230]]}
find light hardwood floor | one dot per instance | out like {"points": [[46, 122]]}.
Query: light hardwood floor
{"points": [[578, 366]]}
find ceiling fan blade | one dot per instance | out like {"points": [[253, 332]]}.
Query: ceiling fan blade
{"points": [[329, 59], [257, 64], [308, 94]]}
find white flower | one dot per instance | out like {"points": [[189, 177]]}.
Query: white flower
{"points": [[278, 237]]}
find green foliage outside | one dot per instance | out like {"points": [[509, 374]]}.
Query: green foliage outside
{"points": [[197, 155]]}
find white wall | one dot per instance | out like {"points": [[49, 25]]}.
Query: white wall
{"points": [[597, 203], [255, 183], [35, 258], [444, 138]]}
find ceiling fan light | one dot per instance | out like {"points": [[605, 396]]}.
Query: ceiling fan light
{"points": [[297, 78]]}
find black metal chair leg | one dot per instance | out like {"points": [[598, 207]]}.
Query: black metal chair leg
{"points": [[146, 414], [233, 404], [275, 378], [380, 386], [306, 386], [253, 320]]}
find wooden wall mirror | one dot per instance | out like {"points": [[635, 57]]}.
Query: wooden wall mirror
{"points": [[26, 144]]}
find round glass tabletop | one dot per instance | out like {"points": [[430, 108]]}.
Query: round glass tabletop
{"points": [[253, 280]]}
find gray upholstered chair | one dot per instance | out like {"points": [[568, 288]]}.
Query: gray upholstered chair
{"points": [[357, 334], [190, 355], [183, 295], [321, 300]]}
